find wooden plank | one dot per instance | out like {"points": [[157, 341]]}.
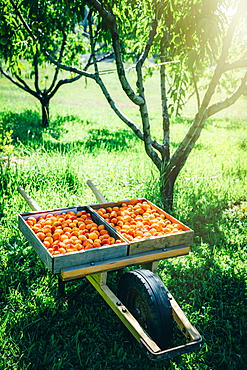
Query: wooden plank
{"points": [[182, 321], [32, 204], [100, 278], [152, 266], [123, 313], [114, 264], [99, 196], [89, 256], [161, 242]]}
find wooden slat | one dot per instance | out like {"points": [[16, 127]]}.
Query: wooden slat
{"points": [[36, 243], [115, 264], [182, 320], [32, 204], [161, 242], [99, 196], [123, 313]]}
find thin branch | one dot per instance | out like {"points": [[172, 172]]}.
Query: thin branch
{"points": [[109, 55], [149, 44], [122, 116], [58, 64], [62, 82], [36, 72], [59, 59], [196, 124], [92, 44], [89, 62], [70, 69], [165, 115], [242, 63], [21, 85], [145, 123], [110, 19], [227, 102]]}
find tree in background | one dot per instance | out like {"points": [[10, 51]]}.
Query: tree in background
{"points": [[189, 35], [54, 29]]}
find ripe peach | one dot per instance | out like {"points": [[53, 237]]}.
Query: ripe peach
{"points": [[41, 236], [73, 239], [46, 244], [93, 236]]}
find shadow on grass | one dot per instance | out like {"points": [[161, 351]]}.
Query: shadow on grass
{"points": [[95, 140], [105, 139], [214, 299], [26, 127], [46, 331]]}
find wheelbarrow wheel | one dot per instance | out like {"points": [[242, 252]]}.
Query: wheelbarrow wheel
{"points": [[145, 296]]}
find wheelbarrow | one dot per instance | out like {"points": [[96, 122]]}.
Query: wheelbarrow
{"points": [[143, 303]]}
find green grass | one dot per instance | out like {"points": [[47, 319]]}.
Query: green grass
{"points": [[38, 328]]}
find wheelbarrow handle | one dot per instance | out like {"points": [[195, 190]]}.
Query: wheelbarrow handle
{"points": [[100, 198], [32, 204]]}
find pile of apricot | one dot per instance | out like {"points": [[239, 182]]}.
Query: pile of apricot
{"points": [[70, 232], [138, 221]]}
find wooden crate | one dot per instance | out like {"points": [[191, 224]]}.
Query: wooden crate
{"points": [[183, 238], [67, 260]]}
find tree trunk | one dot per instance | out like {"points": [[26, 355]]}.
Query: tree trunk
{"points": [[45, 112], [166, 190]]}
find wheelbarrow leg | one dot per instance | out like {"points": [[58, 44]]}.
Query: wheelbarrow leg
{"points": [[61, 286]]}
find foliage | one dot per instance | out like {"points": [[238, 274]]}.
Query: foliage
{"points": [[55, 29], [5, 139], [47, 20], [41, 330]]}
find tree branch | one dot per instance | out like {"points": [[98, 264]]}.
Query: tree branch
{"points": [[58, 64], [92, 44], [103, 12], [199, 118], [122, 116], [165, 115], [110, 19], [36, 72], [242, 63], [59, 59], [21, 85], [63, 82], [145, 123], [149, 44], [227, 102]]}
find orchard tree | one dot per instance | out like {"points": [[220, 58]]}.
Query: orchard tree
{"points": [[189, 35], [54, 26]]}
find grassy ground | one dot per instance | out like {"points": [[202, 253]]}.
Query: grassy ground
{"points": [[38, 328]]}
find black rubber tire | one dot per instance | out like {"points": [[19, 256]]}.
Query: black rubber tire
{"points": [[145, 296]]}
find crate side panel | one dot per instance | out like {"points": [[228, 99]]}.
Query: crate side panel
{"points": [[162, 242], [36, 244], [94, 255]]}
